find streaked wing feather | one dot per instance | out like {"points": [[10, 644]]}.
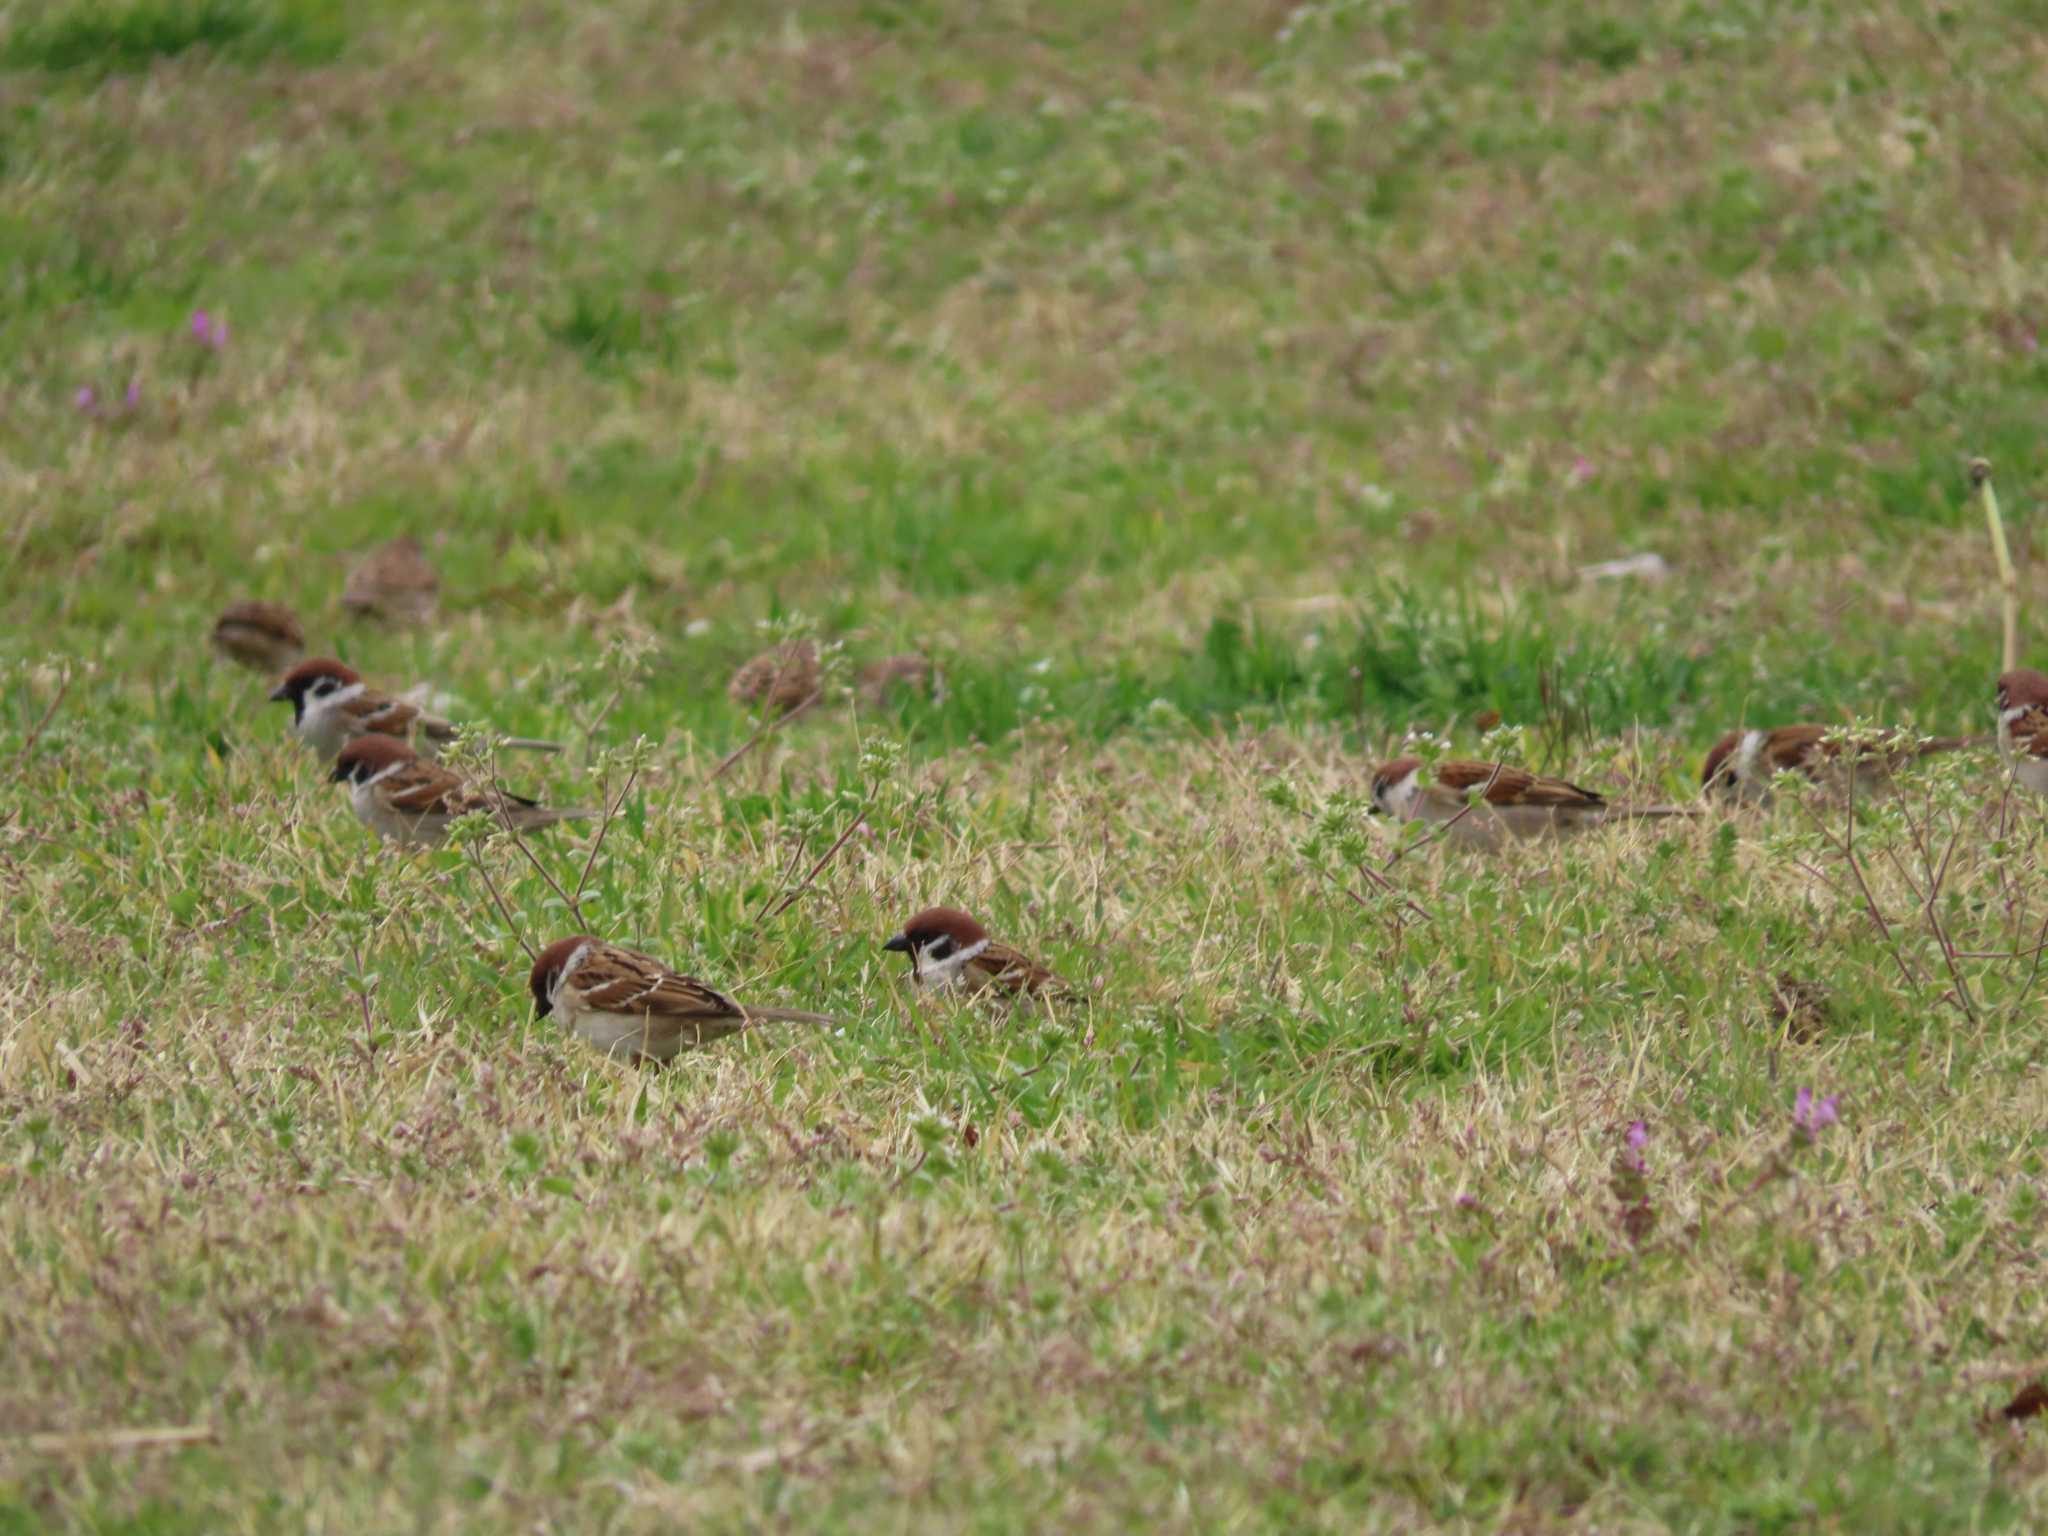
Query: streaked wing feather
{"points": [[1514, 786], [615, 981], [2030, 733], [420, 789], [380, 713]]}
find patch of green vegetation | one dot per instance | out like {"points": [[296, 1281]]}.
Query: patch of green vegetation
{"points": [[1220, 400], [123, 38]]}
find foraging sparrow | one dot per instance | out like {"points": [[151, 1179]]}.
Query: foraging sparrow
{"points": [[2023, 727], [948, 948], [910, 672], [1514, 802], [629, 1005], [332, 706], [1741, 765], [264, 637], [400, 795], [393, 581], [785, 678]]}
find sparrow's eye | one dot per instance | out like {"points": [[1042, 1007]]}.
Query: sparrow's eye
{"points": [[323, 687]]}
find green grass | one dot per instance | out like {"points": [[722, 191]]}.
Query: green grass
{"points": [[1218, 395]]}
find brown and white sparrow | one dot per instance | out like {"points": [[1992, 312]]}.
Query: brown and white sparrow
{"points": [[783, 679], [948, 949], [332, 706], [399, 795], [394, 581], [2023, 727], [628, 1005], [1741, 765], [265, 637], [1513, 802]]}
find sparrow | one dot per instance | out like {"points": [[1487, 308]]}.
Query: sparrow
{"points": [[1514, 802], [947, 948], [909, 673], [332, 706], [264, 637], [401, 796], [785, 678], [2023, 727], [393, 581], [1741, 765], [628, 1005]]}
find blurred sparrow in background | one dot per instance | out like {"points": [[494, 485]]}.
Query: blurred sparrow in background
{"points": [[783, 678], [393, 581], [264, 637]]}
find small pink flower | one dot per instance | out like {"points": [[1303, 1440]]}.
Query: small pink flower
{"points": [[1581, 471], [208, 331], [1811, 1116], [1638, 1138], [87, 399], [134, 396], [1468, 1202]]}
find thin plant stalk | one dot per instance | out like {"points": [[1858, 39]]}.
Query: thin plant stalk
{"points": [[2008, 580]]}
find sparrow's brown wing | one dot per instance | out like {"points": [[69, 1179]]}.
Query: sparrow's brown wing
{"points": [[1507, 786], [1798, 748], [423, 789], [2030, 733], [676, 1007], [379, 712], [1013, 971]]}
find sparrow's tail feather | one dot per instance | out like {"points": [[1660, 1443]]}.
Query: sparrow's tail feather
{"points": [[783, 1016]]}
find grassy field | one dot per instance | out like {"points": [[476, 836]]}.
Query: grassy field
{"points": [[1218, 393]]}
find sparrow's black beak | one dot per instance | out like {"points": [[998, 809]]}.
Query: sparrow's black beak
{"points": [[542, 1007], [281, 694], [899, 944], [337, 774]]}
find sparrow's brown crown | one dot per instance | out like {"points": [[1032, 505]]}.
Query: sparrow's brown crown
{"points": [[2023, 688], [1719, 754], [547, 971], [368, 756], [1390, 774], [934, 924]]}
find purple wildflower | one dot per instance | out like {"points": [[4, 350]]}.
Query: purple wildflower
{"points": [[1811, 1116], [1630, 1185], [1581, 470], [208, 331], [1468, 1202], [87, 399], [133, 397]]}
